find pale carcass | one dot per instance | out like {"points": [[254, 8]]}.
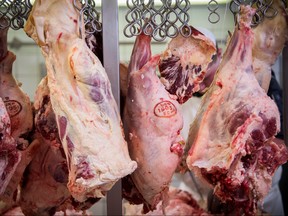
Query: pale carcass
{"points": [[232, 135], [86, 113]]}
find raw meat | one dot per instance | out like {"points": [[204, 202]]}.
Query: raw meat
{"points": [[16, 211], [232, 135], [95, 44], [48, 171], [52, 175], [3, 41], [86, 113], [16, 101], [211, 70], [11, 194], [184, 64], [270, 37], [44, 187], [20, 122], [152, 123], [9, 155], [180, 203], [45, 119]]}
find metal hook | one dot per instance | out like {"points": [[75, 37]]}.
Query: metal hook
{"points": [[213, 6], [89, 15], [167, 20]]}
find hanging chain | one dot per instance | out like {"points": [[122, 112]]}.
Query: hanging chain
{"points": [[166, 20], [88, 13], [14, 13], [212, 6], [263, 8]]}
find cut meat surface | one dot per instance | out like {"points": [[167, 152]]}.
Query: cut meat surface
{"points": [[179, 203], [236, 126], [48, 171], [9, 155], [152, 123], [45, 119], [44, 186], [184, 64], [211, 70], [86, 113], [270, 37]]}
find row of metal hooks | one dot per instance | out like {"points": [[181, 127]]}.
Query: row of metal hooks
{"points": [[166, 20]]}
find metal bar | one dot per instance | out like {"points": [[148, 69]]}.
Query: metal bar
{"points": [[285, 92], [283, 182], [111, 64]]}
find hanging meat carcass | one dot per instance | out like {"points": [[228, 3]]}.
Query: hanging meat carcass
{"points": [[152, 122], [86, 113], [232, 135], [48, 171], [18, 124], [10, 156], [16, 101], [270, 37], [49, 164], [184, 64]]}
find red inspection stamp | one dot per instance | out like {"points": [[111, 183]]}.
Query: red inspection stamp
{"points": [[165, 109]]}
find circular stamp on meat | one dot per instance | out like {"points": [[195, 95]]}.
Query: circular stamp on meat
{"points": [[13, 107], [165, 109]]}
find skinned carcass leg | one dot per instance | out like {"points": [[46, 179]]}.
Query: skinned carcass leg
{"points": [[236, 126], [152, 123], [16, 101]]}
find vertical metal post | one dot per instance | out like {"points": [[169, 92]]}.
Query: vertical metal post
{"points": [[283, 182], [285, 91], [111, 64]]}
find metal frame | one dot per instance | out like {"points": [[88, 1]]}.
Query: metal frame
{"points": [[111, 63]]}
